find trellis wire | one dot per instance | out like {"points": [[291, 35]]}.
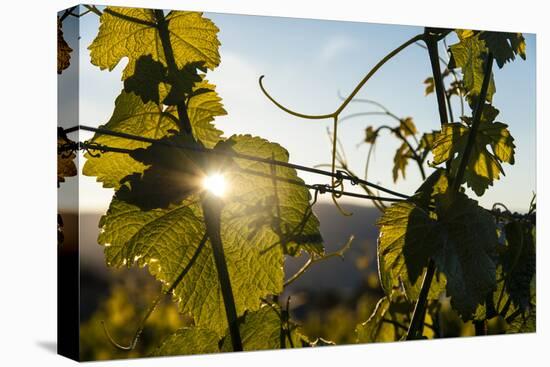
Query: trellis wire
{"points": [[321, 188]]}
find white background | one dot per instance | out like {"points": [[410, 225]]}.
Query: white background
{"points": [[28, 181]]}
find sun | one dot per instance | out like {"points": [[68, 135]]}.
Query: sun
{"points": [[215, 184]]}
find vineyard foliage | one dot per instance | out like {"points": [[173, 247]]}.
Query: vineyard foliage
{"points": [[483, 259]]}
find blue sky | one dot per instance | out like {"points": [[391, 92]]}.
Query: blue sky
{"points": [[306, 63]]}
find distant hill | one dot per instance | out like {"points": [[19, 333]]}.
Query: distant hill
{"points": [[335, 273], [332, 275]]}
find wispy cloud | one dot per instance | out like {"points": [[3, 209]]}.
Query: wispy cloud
{"points": [[334, 46]]}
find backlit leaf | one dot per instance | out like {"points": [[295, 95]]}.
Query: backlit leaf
{"points": [[261, 220], [166, 239], [63, 50], [469, 55], [430, 85], [275, 197], [408, 237], [193, 39], [263, 329], [400, 161], [484, 165], [149, 120], [370, 135], [465, 253], [152, 81], [504, 45], [65, 160], [375, 329], [131, 116], [189, 340], [407, 126]]}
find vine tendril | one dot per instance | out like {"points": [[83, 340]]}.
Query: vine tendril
{"points": [[335, 182]]}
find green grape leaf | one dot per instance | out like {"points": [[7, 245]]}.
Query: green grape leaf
{"points": [[400, 161], [484, 166], [277, 196], [407, 239], [131, 116], [263, 329], [172, 174], [524, 323], [63, 50], [519, 262], [149, 120], [131, 33], [65, 160], [504, 45], [152, 81], [182, 84], [202, 108], [526, 320], [407, 127], [495, 304], [375, 329], [370, 135], [437, 183], [515, 294], [189, 340], [426, 143], [469, 55], [459, 236], [146, 80], [465, 252], [167, 239], [256, 230], [430, 85]]}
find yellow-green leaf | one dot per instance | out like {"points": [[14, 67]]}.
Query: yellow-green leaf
{"points": [[407, 126], [132, 33], [430, 86], [400, 161], [504, 45], [262, 220], [189, 340], [264, 329], [469, 55], [150, 120], [408, 237], [484, 165], [131, 116]]}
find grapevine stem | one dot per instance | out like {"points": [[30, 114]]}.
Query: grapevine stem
{"points": [[212, 208], [481, 327], [94, 10], [431, 43], [475, 123], [153, 306], [164, 35], [417, 323], [416, 327]]}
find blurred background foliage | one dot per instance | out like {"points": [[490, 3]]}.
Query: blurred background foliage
{"points": [[329, 314]]}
